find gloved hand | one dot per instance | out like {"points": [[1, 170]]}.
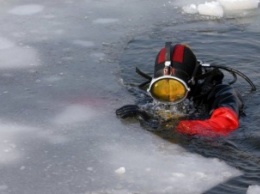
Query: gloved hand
{"points": [[146, 120], [222, 121], [130, 111]]}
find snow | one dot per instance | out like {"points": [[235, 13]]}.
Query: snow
{"points": [[29, 9], [120, 170], [13, 55], [75, 113], [105, 20], [9, 150], [220, 7]]}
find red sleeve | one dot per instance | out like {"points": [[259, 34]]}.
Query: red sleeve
{"points": [[222, 121]]}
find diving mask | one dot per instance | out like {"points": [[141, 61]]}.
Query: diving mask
{"points": [[169, 89]]}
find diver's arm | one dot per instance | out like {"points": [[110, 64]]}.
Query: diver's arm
{"points": [[225, 104]]}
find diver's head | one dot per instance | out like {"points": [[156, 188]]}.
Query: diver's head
{"points": [[174, 73]]}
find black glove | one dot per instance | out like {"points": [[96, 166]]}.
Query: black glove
{"points": [[130, 111], [146, 120]]}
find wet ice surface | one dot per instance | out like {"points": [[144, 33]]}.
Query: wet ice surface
{"points": [[59, 89]]}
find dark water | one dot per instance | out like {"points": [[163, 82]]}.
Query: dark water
{"points": [[232, 41]]}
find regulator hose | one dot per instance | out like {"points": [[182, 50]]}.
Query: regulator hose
{"points": [[233, 72]]}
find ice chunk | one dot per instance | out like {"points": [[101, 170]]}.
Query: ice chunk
{"points": [[191, 9], [211, 9], [219, 7], [232, 5]]}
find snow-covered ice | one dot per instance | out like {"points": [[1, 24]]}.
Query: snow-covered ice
{"points": [[58, 91]]}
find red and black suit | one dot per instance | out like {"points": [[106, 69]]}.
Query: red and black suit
{"points": [[223, 103]]}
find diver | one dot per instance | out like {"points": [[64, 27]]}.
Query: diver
{"points": [[179, 77]]}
